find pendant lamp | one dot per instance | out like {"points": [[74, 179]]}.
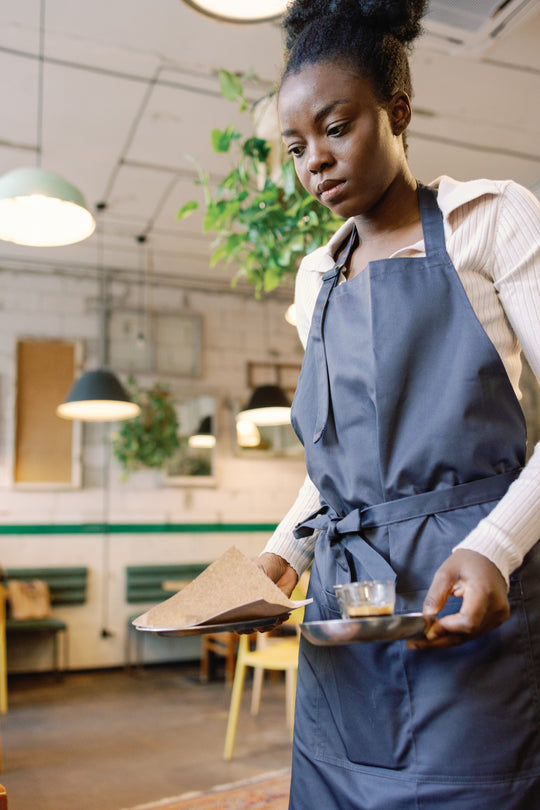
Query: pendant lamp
{"points": [[240, 11], [98, 396], [38, 207], [290, 314], [204, 436], [247, 433], [268, 405]]}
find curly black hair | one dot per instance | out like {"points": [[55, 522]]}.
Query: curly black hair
{"points": [[372, 37]]}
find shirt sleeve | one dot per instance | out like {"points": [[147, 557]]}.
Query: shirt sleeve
{"points": [[297, 551], [513, 526]]}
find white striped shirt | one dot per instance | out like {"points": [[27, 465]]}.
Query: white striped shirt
{"points": [[492, 231]]}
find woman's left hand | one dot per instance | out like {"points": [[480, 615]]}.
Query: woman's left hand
{"points": [[485, 605]]}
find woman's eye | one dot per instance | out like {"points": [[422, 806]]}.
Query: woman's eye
{"points": [[295, 151], [335, 130]]}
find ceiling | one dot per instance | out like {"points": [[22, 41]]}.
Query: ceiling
{"points": [[130, 94]]}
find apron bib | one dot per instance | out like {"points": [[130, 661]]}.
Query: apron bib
{"points": [[412, 433]]}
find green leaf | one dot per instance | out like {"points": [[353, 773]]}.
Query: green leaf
{"points": [[187, 209], [272, 279], [256, 148], [222, 138], [230, 85]]}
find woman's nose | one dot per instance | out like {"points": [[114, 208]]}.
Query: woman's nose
{"points": [[319, 158]]}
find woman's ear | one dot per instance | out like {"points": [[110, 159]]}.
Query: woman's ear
{"points": [[400, 113]]}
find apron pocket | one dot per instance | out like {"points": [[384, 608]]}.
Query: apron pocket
{"points": [[366, 696], [475, 705]]}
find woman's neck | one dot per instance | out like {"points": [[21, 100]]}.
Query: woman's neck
{"points": [[397, 210]]}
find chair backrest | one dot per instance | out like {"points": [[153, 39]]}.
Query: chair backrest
{"points": [[67, 585], [299, 593], [144, 583]]}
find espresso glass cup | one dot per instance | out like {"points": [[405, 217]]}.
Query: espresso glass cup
{"points": [[368, 598]]}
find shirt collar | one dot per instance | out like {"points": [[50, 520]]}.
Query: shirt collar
{"points": [[451, 195]]}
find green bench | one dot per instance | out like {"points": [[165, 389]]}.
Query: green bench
{"points": [[144, 586], [67, 586]]}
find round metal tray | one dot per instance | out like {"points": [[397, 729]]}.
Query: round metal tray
{"points": [[369, 628], [243, 626]]}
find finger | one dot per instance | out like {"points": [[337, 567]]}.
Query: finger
{"points": [[442, 642], [440, 589]]}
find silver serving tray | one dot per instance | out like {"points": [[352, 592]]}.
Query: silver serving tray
{"points": [[223, 627], [368, 628]]}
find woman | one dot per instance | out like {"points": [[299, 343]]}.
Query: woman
{"points": [[414, 442]]}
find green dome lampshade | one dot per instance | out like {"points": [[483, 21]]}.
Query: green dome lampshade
{"points": [[97, 396], [41, 209], [204, 436], [268, 405], [240, 11]]}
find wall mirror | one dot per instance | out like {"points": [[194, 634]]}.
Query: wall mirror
{"points": [[276, 440], [194, 462]]}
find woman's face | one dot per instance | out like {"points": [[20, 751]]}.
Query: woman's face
{"points": [[346, 146]]}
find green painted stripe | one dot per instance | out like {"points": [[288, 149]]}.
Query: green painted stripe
{"points": [[135, 528]]}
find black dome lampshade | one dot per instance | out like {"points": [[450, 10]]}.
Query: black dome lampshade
{"points": [[204, 435], [268, 405], [98, 396]]}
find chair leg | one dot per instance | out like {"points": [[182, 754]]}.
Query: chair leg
{"points": [[3, 675], [65, 651], [205, 663], [258, 675], [290, 697], [230, 659], [234, 710]]}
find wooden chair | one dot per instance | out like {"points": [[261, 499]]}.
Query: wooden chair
{"points": [[223, 644]]}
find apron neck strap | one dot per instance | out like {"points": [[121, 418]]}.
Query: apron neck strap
{"points": [[432, 220]]}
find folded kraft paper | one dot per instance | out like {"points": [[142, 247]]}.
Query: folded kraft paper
{"points": [[232, 589]]}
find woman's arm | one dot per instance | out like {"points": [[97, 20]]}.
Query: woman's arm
{"points": [[479, 568], [513, 526], [298, 553]]}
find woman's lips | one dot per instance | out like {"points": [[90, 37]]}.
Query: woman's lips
{"points": [[329, 189]]}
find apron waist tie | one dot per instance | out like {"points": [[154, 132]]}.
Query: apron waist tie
{"points": [[338, 526]]}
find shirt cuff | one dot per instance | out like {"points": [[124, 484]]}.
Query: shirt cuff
{"points": [[490, 541], [297, 552]]}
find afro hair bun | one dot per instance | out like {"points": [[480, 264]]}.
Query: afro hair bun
{"points": [[400, 18]]}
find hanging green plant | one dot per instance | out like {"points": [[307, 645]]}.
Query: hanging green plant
{"points": [[151, 438], [264, 225]]}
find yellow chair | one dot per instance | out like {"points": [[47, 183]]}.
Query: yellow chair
{"points": [[3, 654], [276, 654], [282, 656]]}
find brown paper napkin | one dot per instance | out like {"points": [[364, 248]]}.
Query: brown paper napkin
{"points": [[232, 589]]}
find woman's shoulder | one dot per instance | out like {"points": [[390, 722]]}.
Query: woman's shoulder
{"points": [[453, 194]]}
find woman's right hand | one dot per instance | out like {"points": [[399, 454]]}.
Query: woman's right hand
{"points": [[278, 570]]}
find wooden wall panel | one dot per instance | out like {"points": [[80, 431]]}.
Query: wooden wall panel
{"points": [[44, 442]]}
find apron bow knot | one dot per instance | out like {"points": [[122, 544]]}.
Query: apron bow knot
{"points": [[327, 519]]}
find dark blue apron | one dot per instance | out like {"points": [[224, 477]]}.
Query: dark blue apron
{"points": [[412, 433]]}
